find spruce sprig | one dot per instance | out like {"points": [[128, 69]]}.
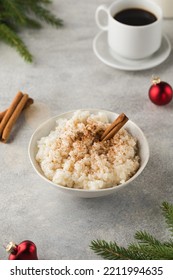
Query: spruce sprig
{"points": [[11, 38], [168, 214], [16, 15], [45, 15], [147, 246]]}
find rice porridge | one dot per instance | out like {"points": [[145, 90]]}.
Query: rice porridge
{"points": [[73, 156]]}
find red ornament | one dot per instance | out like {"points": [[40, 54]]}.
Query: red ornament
{"points": [[26, 250], [160, 93]]}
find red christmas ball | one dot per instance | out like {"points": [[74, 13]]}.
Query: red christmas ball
{"points": [[160, 93], [26, 250]]}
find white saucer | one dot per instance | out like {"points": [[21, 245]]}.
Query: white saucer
{"points": [[103, 52]]}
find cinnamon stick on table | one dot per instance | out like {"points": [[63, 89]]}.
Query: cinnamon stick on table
{"points": [[28, 103], [114, 127], [10, 111], [2, 114], [13, 118]]}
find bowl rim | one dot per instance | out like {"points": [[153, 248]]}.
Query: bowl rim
{"points": [[92, 110]]}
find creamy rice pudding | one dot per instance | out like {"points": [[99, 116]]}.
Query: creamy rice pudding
{"points": [[73, 156]]}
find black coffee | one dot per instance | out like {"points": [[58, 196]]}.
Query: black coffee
{"points": [[135, 16]]}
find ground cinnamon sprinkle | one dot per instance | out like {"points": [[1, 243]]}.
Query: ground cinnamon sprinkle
{"points": [[73, 156]]}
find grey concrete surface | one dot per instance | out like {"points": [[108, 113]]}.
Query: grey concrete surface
{"points": [[66, 75]]}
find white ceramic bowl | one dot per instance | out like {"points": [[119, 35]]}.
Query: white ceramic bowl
{"points": [[45, 128]]}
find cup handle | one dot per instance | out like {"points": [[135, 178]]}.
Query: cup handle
{"points": [[99, 9]]}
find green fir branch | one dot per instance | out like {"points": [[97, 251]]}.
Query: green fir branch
{"points": [[10, 37], [151, 252], [147, 246], [168, 243], [32, 23], [160, 252], [140, 251], [167, 211], [14, 11], [146, 239], [18, 14], [111, 251], [45, 15]]}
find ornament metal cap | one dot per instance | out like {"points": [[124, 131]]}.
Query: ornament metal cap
{"points": [[156, 80], [11, 247]]}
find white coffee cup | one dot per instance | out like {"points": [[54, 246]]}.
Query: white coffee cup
{"points": [[129, 41]]}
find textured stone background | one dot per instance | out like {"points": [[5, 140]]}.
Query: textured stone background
{"points": [[66, 75]]}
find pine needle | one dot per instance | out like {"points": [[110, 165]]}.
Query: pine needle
{"points": [[45, 15], [18, 14], [146, 239], [10, 37], [110, 251], [146, 248], [14, 11], [167, 211]]}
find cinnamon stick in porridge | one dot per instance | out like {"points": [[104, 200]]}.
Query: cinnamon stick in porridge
{"points": [[114, 127]]}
